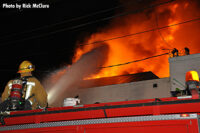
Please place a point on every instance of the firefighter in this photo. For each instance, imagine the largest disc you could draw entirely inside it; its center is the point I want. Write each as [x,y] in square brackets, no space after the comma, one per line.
[175,52]
[26,88]
[187,51]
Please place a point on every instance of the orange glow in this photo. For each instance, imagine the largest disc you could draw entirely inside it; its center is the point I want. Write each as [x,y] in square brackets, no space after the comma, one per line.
[169,38]
[173,28]
[192,76]
[186,5]
[184,115]
[147,44]
[174,7]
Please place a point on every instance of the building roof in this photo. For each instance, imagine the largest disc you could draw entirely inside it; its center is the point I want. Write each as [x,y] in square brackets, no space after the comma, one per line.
[117,79]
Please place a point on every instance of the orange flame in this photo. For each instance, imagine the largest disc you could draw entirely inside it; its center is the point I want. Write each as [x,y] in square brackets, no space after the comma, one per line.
[148,44]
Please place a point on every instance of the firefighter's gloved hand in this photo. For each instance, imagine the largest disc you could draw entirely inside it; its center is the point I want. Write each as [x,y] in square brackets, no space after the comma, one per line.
[4,106]
[27,105]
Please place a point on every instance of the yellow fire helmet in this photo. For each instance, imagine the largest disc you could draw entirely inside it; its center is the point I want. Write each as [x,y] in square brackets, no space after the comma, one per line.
[26,66]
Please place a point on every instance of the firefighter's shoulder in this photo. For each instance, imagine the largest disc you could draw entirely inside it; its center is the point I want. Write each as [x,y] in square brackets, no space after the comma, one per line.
[33,79]
[10,82]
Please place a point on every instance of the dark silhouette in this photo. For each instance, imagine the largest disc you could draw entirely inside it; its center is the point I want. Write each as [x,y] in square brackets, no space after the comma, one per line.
[175,52]
[187,51]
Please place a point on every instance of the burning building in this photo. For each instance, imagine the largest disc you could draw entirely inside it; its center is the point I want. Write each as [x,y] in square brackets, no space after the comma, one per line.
[144,85]
[159,28]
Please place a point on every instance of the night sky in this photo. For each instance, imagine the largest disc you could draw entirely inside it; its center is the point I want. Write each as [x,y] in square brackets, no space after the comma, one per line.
[46,37]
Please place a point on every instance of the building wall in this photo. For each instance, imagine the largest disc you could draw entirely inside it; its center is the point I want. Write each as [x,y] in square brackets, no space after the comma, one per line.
[178,68]
[126,91]
[144,89]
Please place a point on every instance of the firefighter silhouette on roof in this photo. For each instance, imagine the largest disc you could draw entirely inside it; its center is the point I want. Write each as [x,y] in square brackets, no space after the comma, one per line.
[175,52]
[187,51]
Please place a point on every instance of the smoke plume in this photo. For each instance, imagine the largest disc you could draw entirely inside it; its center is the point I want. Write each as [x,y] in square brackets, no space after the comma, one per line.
[69,78]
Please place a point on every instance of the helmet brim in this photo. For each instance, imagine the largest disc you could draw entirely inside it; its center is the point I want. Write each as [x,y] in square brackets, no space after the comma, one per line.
[25,70]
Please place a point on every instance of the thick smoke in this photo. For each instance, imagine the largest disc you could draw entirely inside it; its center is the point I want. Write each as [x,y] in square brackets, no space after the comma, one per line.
[65,85]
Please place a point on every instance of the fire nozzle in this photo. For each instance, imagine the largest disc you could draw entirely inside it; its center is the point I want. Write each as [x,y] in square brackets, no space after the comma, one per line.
[71,102]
